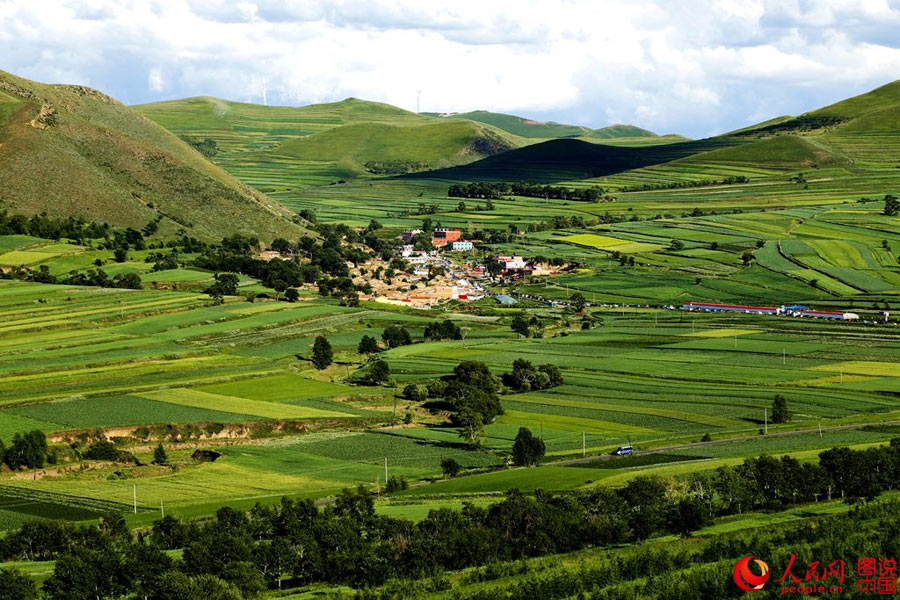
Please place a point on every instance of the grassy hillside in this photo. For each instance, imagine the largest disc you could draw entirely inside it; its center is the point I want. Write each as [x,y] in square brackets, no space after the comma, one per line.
[275,148]
[621,131]
[71,150]
[529,128]
[520,126]
[241,127]
[432,144]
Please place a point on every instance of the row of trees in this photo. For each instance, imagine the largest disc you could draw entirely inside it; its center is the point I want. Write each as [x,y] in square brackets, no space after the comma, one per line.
[239,554]
[52,228]
[687,183]
[526,377]
[91,277]
[496,190]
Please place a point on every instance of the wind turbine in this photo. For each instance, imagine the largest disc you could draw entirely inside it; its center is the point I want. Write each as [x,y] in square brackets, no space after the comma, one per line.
[418,97]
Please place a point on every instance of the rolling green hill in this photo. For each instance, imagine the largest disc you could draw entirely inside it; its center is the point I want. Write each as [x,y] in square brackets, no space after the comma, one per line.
[529,128]
[836,135]
[70,150]
[430,144]
[241,127]
[275,148]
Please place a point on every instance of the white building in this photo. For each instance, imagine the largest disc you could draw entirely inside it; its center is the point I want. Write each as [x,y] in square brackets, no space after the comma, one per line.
[461,246]
[512,262]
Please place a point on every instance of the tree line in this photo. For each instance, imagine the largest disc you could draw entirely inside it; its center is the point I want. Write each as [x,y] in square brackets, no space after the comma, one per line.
[496,190]
[52,228]
[687,183]
[240,554]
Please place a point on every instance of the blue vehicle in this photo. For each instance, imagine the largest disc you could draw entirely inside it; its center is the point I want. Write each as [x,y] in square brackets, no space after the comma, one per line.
[623,451]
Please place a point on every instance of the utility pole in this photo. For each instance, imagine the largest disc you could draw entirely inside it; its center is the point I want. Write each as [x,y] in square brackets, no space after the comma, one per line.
[766,418]
[583,445]
[134,489]
[385,470]
[783,357]
[162,510]
[820,428]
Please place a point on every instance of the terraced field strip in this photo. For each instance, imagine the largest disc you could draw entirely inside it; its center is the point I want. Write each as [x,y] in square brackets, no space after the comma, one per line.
[692,417]
[277,388]
[861,367]
[259,408]
[716,333]
[130,377]
[566,423]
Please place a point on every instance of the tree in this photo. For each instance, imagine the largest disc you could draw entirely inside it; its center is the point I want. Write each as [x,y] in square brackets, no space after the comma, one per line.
[422,242]
[577,301]
[687,516]
[175,585]
[676,245]
[322,353]
[412,392]
[379,372]
[225,285]
[396,484]
[443,330]
[527,450]
[471,426]
[245,577]
[368,345]
[16,585]
[28,450]
[450,467]
[159,455]
[494,268]
[780,411]
[88,573]
[282,245]
[747,257]
[553,374]
[291,295]
[120,254]
[520,325]
[395,336]
[891,206]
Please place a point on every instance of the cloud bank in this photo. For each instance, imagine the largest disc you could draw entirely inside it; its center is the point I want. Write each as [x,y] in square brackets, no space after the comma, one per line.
[691,67]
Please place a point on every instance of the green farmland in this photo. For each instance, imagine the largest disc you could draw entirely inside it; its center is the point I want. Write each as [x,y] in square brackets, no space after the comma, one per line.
[221,376]
[159,364]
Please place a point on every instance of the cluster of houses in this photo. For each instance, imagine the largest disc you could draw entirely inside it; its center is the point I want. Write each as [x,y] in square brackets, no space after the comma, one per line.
[443,239]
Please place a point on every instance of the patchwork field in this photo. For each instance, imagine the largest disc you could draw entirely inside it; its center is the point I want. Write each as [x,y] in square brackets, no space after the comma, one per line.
[173,362]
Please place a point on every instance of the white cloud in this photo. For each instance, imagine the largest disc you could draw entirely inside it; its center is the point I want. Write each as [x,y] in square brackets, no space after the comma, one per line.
[694,67]
[155,80]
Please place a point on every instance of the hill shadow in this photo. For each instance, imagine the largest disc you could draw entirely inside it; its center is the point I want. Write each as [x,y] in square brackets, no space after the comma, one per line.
[569,159]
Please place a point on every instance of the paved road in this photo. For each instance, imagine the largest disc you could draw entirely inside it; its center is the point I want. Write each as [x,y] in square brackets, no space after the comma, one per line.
[571,461]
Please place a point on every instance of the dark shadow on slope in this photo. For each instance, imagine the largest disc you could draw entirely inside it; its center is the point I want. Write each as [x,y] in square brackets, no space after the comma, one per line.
[568,159]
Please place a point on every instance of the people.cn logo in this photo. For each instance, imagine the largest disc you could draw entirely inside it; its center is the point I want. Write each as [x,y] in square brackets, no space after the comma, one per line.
[746,579]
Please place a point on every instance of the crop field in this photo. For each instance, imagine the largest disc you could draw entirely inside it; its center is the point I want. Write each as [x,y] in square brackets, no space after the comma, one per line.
[642,379]
[117,359]
[692,391]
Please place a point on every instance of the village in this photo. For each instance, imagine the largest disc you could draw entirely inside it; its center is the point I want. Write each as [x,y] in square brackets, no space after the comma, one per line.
[439,266]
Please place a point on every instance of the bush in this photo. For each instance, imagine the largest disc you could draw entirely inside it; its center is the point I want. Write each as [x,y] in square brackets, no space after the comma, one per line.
[450,467]
[395,484]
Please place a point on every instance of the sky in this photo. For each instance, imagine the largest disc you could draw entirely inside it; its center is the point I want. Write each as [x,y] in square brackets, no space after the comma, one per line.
[697,68]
